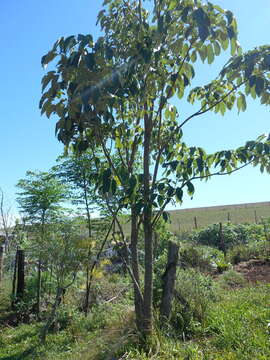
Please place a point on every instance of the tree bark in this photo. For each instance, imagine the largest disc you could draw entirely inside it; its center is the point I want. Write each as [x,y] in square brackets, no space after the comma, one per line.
[135,268]
[20,282]
[89,225]
[14,281]
[51,317]
[38,288]
[147,324]
[169,280]
[1,262]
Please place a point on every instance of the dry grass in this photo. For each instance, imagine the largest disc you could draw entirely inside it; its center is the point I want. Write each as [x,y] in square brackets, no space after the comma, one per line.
[184,220]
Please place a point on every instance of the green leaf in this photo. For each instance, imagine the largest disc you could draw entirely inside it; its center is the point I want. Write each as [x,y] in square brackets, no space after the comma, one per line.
[229,16]
[90,61]
[160,200]
[203,53]
[203,23]
[191,188]
[225,44]
[217,48]
[193,56]
[259,86]
[179,194]
[210,54]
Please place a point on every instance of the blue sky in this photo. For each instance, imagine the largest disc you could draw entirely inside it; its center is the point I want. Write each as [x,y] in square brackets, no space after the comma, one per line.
[27,31]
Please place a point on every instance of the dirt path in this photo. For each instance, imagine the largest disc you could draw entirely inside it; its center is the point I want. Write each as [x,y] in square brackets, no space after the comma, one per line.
[255,270]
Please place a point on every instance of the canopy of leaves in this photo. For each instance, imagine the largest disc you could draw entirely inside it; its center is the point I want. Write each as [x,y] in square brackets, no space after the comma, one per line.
[40,196]
[103,90]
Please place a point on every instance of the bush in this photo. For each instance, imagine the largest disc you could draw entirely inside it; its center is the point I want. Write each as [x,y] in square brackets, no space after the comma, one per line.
[253,250]
[232,235]
[195,293]
[203,258]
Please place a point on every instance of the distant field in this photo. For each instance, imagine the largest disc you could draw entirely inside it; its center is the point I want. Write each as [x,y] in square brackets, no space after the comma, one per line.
[183,220]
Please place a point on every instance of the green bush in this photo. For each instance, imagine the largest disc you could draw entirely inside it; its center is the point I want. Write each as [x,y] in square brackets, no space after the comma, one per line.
[203,258]
[253,250]
[195,293]
[232,235]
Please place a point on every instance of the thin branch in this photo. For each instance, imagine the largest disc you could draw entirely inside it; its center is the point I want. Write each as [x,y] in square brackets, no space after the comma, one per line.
[140,11]
[218,173]
[201,111]
[162,104]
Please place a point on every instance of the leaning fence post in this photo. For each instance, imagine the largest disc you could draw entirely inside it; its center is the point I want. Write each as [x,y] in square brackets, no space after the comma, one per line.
[255,215]
[221,239]
[169,280]
[195,222]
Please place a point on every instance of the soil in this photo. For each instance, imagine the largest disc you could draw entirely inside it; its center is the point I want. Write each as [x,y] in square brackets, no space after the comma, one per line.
[255,270]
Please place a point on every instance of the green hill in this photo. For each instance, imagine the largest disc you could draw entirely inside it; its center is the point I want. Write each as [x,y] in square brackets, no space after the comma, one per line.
[186,219]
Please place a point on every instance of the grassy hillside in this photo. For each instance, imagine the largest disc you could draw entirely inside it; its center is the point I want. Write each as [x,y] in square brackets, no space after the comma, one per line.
[183,220]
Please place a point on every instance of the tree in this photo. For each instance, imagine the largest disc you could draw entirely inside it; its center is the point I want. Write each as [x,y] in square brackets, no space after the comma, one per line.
[77,171]
[39,201]
[117,93]
[5,225]
[64,244]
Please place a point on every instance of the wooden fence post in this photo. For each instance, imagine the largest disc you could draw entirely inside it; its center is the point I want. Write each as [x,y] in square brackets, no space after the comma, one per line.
[1,262]
[169,280]
[20,282]
[195,223]
[255,216]
[221,239]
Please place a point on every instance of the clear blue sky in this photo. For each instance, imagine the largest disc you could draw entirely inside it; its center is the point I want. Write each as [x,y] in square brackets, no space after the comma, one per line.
[28,29]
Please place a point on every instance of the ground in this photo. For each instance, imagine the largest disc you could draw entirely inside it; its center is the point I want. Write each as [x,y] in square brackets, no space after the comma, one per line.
[255,270]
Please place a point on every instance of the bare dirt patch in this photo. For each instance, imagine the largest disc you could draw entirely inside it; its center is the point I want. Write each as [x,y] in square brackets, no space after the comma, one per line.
[255,270]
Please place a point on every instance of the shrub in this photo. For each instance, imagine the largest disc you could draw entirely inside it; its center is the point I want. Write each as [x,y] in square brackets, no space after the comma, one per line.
[253,250]
[203,258]
[232,235]
[194,294]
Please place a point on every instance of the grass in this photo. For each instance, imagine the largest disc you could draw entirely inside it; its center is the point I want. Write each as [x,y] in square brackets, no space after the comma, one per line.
[183,220]
[235,329]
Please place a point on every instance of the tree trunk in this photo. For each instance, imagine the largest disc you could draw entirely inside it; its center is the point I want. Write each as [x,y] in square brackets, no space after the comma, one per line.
[14,280]
[147,324]
[38,288]
[20,282]
[169,280]
[51,317]
[87,293]
[1,262]
[135,268]
[89,225]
